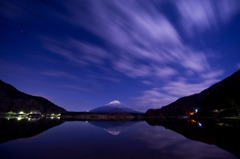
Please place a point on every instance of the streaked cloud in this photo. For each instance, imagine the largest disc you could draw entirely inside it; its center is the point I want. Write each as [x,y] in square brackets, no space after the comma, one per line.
[76,51]
[131,40]
[153,98]
[12,10]
[205,15]
[134,32]
[142,43]
[184,88]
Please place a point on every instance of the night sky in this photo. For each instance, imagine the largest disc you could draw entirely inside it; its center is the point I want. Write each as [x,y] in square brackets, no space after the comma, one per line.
[81,54]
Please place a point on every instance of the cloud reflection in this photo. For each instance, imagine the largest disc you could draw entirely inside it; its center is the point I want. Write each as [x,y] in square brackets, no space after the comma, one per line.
[166,141]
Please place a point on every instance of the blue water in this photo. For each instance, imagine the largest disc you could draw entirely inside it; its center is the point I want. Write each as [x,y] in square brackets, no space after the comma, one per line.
[86,140]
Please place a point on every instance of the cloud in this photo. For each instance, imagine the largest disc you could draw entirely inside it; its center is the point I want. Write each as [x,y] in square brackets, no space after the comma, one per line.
[173,89]
[212,75]
[153,99]
[238,65]
[76,51]
[121,23]
[227,9]
[164,72]
[134,33]
[127,66]
[140,42]
[175,145]
[12,10]
[204,15]
[134,39]
[183,88]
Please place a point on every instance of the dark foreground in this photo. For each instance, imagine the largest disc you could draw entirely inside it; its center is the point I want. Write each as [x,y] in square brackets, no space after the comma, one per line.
[152,138]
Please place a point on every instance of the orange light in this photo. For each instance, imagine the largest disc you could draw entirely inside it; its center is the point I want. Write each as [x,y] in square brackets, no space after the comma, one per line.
[191,121]
[191,113]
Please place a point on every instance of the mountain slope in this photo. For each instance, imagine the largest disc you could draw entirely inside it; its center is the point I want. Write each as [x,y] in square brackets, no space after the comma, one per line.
[113,107]
[221,99]
[13,100]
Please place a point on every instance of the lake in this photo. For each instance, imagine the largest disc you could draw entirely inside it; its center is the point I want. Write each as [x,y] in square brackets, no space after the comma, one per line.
[181,139]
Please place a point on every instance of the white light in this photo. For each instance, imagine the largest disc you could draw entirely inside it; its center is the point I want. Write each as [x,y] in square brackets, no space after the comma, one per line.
[21,112]
[199,124]
[196,110]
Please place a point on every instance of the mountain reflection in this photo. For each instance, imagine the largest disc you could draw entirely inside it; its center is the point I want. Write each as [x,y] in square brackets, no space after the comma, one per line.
[223,133]
[113,127]
[19,127]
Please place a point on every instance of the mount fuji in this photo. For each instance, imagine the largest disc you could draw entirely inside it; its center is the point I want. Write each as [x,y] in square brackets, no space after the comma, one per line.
[113,107]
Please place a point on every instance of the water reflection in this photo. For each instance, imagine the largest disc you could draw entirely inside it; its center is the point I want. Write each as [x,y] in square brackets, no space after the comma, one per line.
[114,127]
[12,128]
[224,133]
[162,138]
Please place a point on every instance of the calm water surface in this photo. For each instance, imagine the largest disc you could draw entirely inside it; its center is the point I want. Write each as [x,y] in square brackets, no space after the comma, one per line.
[105,140]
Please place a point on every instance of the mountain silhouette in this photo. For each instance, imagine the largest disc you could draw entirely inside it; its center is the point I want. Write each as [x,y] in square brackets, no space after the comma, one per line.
[13,100]
[221,99]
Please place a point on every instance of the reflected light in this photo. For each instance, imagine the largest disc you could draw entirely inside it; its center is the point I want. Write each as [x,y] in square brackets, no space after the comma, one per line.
[191,121]
[19,118]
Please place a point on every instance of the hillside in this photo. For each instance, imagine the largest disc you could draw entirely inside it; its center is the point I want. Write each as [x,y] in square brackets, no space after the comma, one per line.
[13,100]
[221,99]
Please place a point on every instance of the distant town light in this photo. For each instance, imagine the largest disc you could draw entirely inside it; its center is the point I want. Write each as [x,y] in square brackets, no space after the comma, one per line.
[21,112]
[196,110]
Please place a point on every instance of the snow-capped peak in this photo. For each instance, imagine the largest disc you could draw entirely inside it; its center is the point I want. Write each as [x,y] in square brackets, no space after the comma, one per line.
[115,102]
